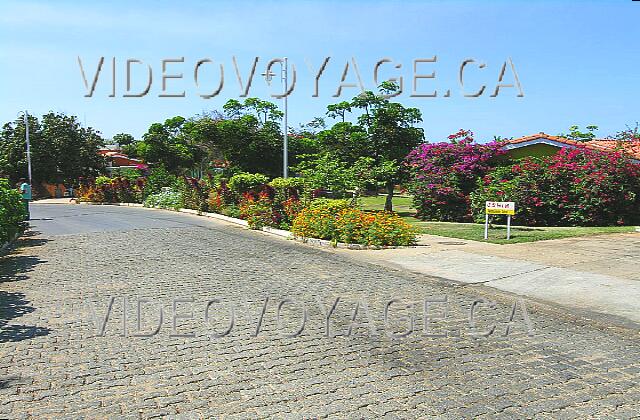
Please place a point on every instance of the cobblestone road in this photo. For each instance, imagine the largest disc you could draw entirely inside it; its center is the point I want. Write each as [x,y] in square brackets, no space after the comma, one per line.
[58,291]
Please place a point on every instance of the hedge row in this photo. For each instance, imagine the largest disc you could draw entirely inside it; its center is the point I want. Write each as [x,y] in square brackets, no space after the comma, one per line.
[12,213]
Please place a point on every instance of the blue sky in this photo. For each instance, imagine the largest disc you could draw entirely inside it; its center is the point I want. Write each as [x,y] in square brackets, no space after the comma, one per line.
[577,62]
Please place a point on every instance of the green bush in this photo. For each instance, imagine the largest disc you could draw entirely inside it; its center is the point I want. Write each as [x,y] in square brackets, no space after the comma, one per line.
[157,179]
[102,180]
[231,211]
[131,174]
[330,205]
[245,182]
[324,172]
[281,185]
[168,199]
[11,211]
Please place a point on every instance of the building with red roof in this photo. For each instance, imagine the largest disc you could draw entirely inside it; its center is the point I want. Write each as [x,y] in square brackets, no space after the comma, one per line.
[543,144]
[116,159]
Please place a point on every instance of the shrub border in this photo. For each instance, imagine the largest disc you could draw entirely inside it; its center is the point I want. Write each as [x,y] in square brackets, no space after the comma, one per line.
[273,231]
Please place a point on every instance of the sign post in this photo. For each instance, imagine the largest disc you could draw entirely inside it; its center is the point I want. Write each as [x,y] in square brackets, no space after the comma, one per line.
[499,207]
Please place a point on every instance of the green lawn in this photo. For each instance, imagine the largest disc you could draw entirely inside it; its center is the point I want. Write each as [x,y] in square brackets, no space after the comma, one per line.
[474,231]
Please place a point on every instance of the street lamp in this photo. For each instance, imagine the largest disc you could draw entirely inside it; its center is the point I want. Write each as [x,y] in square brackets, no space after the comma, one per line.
[25,114]
[268,75]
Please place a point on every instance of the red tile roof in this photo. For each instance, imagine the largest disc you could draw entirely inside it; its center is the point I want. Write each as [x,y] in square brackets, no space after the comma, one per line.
[631,148]
[118,158]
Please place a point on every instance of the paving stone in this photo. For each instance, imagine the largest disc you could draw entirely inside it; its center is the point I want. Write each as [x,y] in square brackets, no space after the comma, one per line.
[568,368]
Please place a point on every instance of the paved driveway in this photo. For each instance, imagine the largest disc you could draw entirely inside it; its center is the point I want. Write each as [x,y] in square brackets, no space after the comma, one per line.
[57,359]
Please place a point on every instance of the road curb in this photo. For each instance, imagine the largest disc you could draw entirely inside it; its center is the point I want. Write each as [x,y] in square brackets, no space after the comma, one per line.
[91,203]
[273,231]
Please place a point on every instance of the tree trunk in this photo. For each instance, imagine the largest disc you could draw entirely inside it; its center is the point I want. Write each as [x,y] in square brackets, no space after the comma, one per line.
[388,204]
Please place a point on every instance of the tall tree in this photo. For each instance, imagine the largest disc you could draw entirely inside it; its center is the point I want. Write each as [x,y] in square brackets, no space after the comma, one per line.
[123,139]
[249,137]
[75,148]
[385,131]
[170,145]
[61,149]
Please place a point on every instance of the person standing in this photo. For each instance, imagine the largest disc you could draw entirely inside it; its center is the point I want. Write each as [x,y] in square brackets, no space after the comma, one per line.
[25,190]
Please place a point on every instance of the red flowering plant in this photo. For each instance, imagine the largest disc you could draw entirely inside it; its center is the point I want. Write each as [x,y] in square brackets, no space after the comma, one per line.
[291,207]
[574,187]
[258,210]
[195,194]
[444,175]
[110,190]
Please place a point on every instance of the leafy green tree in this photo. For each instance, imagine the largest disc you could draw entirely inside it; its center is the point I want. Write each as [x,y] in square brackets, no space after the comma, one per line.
[13,154]
[123,139]
[324,171]
[75,148]
[582,136]
[247,136]
[157,179]
[385,131]
[61,149]
[168,144]
[339,110]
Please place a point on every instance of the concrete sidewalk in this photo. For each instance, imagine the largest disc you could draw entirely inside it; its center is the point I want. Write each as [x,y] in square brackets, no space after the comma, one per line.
[598,274]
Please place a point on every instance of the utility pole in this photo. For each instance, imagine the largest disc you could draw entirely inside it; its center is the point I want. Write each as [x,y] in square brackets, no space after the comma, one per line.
[285,154]
[268,75]
[26,126]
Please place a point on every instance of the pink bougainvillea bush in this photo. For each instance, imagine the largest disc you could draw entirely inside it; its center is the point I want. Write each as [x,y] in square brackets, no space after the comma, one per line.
[444,175]
[574,187]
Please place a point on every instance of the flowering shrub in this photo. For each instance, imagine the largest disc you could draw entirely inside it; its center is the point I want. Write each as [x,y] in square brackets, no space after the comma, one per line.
[319,219]
[167,199]
[195,194]
[351,225]
[573,187]
[111,190]
[444,174]
[90,193]
[215,203]
[387,228]
[338,222]
[258,210]
[221,197]
[11,211]
[291,207]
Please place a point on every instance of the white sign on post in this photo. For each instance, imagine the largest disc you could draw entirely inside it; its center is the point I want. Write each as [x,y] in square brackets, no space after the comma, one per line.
[499,207]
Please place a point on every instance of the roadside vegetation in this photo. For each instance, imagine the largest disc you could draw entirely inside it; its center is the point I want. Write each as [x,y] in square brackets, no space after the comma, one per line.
[391,184]
[11,212]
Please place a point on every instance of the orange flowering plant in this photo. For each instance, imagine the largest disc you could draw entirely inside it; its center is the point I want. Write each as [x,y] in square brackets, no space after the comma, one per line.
[335,220]
[258,210]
